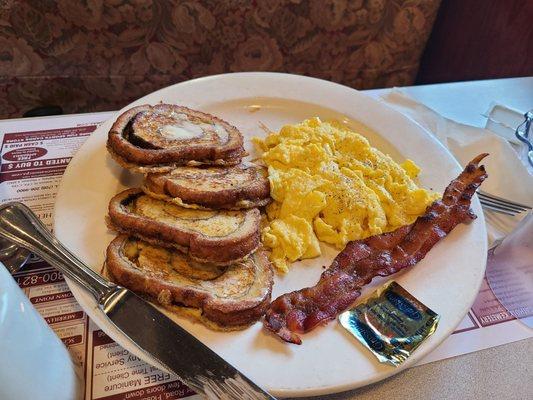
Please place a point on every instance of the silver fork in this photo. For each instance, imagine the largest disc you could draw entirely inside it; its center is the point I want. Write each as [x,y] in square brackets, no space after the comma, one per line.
[12,256]
[501,205]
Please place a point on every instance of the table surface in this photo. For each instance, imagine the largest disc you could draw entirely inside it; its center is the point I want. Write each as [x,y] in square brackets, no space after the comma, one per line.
[502,372]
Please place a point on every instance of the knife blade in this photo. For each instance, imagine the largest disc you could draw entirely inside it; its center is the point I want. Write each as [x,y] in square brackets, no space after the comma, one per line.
[192,361]
[153,332]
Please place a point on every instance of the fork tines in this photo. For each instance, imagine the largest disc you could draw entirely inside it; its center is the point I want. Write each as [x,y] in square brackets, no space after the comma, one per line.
[500,204]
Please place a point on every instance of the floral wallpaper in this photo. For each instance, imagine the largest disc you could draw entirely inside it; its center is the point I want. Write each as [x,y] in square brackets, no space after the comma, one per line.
[94,55]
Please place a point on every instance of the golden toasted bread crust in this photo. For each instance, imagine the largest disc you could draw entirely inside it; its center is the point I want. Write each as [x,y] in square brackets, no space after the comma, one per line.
[218,305]
[219,250]
[178,151]
[238,187]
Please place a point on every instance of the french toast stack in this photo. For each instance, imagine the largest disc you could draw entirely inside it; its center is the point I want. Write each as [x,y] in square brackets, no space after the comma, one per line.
[189,237]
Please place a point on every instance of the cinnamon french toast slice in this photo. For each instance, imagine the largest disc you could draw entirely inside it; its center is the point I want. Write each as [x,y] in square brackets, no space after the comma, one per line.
[224,298]
[158,138]
[233,188]
[220,237]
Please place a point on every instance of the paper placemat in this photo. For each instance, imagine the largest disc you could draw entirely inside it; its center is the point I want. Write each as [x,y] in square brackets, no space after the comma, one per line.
[33,161]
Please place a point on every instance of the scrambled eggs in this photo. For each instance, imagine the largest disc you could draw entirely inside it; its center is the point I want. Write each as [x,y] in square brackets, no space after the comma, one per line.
[328,184]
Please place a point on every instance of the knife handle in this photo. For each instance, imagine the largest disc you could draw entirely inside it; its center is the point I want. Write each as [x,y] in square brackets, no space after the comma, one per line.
[21,226]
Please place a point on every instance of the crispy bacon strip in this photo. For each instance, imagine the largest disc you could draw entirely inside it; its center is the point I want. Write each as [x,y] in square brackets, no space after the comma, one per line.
[381,255]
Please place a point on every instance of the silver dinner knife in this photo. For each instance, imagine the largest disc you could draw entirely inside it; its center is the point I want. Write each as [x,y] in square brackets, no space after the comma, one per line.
[193,362]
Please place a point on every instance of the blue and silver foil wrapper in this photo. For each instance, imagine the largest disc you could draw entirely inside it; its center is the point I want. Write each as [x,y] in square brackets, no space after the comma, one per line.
[392,323]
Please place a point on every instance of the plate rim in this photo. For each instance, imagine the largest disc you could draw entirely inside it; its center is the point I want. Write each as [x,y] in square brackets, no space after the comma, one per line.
[317,390]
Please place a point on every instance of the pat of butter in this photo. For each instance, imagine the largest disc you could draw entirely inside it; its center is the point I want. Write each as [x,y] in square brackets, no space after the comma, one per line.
[221,133]
[392,323]
[183,132]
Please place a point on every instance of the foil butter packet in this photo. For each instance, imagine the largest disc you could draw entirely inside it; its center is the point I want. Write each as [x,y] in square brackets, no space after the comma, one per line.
[391,323]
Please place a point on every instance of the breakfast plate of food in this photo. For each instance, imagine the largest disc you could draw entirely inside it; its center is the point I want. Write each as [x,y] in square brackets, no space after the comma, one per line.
[254,208]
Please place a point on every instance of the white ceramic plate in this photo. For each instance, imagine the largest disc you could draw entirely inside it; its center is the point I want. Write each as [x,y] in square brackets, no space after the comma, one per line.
[329,360]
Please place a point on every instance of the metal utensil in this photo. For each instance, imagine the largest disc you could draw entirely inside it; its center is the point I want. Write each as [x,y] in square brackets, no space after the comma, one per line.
[13,256]
[501,205]
[153,332]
